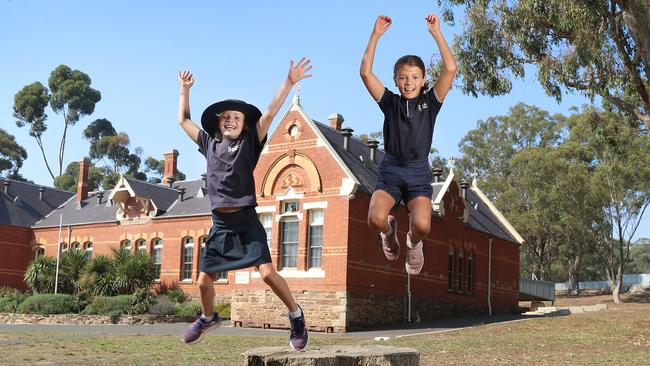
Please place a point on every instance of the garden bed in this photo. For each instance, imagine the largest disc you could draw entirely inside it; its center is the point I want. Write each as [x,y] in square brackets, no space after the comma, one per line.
[12,318]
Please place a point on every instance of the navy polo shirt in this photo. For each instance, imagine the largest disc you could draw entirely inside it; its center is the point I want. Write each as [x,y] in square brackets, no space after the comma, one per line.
[230,168]
[408,124]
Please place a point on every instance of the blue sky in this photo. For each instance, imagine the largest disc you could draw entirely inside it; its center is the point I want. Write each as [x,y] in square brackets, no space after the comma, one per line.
[133,50]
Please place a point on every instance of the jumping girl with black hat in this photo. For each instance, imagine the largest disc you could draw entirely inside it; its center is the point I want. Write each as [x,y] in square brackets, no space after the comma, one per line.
[232,138]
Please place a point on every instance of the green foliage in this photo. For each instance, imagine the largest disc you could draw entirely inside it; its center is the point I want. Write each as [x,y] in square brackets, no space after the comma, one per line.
[12,154]
[176,295]
[72,263]
[29,108]
[593,47]
[40,274]
[71,93]
[223,309]
[49,304]
[640,259]
[162,306]
[155,169]
[10,299]
[142,300]
[107,305]
[123,274]
[188,310]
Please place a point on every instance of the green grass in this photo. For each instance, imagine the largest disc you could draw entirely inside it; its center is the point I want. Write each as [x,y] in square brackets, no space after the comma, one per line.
[619,335]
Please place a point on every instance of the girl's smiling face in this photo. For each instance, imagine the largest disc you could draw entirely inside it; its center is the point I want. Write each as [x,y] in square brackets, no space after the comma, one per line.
[231,124]
[409,80]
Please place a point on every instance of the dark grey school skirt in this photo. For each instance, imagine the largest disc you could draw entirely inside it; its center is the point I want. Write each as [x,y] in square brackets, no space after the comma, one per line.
[236,240]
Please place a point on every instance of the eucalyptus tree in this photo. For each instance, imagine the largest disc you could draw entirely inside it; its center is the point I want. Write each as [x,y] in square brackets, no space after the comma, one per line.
[597,48]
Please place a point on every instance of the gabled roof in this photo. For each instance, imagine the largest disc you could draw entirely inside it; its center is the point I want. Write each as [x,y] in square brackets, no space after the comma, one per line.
[483,216]
[165,199]
[195,201]
[21,205]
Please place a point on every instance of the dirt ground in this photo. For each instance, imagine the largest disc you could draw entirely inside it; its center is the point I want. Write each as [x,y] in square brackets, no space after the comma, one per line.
[588,297]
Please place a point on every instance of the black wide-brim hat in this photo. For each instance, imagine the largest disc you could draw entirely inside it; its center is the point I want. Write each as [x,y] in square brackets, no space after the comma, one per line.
[209,120]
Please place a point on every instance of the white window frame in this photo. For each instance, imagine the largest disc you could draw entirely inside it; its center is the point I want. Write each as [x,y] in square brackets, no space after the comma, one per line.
[188,243]
[157,244]
[314,222]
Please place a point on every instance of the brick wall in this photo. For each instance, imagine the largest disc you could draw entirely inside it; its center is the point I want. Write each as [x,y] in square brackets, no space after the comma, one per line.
[17,251]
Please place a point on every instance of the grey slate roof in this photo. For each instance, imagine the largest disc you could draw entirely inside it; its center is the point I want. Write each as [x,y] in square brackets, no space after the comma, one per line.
[90,211]
[357,158]
[165,198]
[21,205]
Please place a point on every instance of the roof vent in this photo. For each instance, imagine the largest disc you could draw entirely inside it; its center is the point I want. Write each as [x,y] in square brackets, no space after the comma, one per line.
[100,195]
[346,132]
[41,193]
[181,193]
[373,149]
[437,174]
[170,181]
[6,184]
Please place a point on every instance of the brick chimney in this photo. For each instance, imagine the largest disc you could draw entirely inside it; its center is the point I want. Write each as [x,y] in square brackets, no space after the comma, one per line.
[171,158]
[82,185]
[336,121]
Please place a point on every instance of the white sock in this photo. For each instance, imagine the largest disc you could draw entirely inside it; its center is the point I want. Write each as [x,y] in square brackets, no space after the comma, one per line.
[206,319]
[296,314]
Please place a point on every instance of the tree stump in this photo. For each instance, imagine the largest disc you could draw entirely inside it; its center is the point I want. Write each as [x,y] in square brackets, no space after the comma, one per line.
[373,355]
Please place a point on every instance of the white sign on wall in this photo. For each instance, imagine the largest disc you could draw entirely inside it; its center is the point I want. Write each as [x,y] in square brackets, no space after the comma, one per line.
[242,277]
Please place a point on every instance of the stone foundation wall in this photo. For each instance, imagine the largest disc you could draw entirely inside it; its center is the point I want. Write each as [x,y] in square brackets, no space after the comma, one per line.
[323,310]
[368,311]
[10,318]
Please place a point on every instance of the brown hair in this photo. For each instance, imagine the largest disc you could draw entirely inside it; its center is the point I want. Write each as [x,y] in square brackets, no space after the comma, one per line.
[412,60]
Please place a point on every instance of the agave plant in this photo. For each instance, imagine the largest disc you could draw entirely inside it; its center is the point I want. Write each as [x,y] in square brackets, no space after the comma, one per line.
[40,274]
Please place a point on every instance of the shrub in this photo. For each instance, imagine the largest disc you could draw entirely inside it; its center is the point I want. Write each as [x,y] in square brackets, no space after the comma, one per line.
[163,306]
[10,299]
[49,304]
[223,309]
[108,305]
[176,295]
[189,310]
[40,274]
[142,300]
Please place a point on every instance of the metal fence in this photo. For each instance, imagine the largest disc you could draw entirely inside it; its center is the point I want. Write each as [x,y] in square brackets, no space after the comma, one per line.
[628,279]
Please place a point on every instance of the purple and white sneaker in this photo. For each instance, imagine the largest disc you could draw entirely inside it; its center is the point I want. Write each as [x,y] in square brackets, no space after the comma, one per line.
[195,332]
[298,336]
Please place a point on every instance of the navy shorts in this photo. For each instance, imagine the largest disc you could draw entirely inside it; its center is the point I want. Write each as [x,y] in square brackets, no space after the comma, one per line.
[236,240]
[404,179]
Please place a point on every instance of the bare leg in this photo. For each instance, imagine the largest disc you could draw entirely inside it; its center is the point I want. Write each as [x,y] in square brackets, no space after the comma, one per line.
[420,209]
[206,288]
[380,206]
[278,284]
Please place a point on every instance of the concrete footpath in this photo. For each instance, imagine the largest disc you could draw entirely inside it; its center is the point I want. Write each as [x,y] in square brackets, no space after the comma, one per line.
[397,331]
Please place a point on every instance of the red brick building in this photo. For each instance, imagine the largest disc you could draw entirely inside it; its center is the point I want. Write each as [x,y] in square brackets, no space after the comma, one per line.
[314,183]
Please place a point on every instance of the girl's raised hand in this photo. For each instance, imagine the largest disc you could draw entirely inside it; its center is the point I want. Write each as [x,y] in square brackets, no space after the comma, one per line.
[433,23]
[298,71]
[186,78]
[382,24]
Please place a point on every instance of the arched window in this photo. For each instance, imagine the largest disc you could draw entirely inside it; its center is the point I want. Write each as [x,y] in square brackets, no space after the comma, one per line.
[40,252]
[188,257]
[64,247]
[88,247]
[157,257]
[126,244]
[75,245]
[141,245]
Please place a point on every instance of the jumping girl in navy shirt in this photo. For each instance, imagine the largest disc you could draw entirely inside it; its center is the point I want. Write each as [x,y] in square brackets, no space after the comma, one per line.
[409,118]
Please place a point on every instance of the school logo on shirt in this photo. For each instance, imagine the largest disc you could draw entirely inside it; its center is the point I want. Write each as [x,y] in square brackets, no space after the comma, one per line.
[234,148]
[422,106]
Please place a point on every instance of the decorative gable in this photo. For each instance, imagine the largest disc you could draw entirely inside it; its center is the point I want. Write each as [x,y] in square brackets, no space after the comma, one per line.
[133,209]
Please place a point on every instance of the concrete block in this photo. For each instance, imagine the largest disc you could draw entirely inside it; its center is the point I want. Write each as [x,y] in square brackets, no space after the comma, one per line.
[371,355]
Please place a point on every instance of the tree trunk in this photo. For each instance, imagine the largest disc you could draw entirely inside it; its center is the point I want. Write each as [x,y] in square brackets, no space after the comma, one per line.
[636,14]
[574,285]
